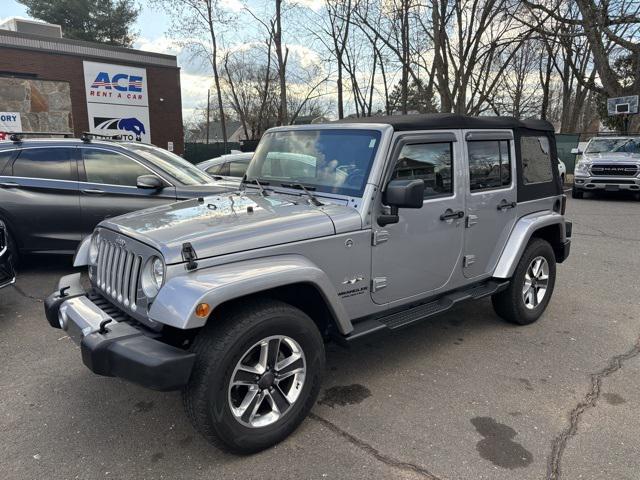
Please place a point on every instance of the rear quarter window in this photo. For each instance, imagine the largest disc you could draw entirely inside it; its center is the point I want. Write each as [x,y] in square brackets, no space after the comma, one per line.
[5,159]
[536,160]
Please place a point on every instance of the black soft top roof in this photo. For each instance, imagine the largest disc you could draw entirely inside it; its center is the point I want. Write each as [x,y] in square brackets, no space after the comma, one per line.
[451,120]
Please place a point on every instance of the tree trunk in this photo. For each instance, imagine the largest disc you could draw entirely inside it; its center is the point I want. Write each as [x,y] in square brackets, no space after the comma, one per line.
[282,61]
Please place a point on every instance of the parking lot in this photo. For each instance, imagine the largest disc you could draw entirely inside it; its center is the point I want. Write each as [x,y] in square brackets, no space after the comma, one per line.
[465,395]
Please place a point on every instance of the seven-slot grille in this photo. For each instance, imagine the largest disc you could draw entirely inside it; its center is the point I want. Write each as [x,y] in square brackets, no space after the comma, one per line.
[117,273]
[614,170]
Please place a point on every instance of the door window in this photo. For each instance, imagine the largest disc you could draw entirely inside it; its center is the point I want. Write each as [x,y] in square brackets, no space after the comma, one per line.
[47,163]
[237,169]
[220,169]
[536,160]
[489,164]
[430,162]
[111,168]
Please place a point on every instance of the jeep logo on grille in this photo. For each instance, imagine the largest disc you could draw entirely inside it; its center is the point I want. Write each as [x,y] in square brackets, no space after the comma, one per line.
[120,242]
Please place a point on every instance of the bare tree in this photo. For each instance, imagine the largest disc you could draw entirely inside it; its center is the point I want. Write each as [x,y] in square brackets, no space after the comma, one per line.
[199,23]
[609,29]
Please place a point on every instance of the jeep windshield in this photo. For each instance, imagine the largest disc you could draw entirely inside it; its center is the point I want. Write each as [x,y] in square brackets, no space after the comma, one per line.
[171,164]
[327,160]
[614,145]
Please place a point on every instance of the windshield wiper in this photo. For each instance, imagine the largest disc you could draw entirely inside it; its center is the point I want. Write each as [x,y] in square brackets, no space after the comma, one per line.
[306,190]
[263,192]
[254,181]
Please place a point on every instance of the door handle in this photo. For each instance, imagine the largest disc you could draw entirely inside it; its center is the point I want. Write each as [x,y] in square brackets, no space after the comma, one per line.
[93,191]
[504,205]
[451,215]
[9,185]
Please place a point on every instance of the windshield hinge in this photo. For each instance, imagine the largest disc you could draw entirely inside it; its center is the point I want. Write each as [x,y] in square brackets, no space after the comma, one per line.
[189,255]
[379,236]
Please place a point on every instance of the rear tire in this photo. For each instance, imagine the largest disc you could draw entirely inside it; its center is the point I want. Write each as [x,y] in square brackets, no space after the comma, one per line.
[575,193]
[531,286]
[229,361]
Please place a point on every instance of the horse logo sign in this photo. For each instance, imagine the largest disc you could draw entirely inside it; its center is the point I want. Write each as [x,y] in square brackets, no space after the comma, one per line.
[126,126]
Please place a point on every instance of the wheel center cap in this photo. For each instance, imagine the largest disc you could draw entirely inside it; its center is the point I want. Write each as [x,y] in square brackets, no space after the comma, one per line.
[266,381]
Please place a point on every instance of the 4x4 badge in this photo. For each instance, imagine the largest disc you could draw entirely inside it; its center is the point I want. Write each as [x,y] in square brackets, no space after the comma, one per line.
[351,281]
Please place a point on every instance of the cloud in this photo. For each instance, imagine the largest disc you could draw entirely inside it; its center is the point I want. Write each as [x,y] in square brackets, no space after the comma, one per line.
[232,5]
[314,5]
[194,90]
[164,45]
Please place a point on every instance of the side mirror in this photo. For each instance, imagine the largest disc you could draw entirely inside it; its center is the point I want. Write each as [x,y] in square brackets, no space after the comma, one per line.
[401,194]
[149,182]
[576,151]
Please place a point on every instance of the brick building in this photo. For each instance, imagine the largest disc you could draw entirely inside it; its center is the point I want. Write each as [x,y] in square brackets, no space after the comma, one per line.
[50,83]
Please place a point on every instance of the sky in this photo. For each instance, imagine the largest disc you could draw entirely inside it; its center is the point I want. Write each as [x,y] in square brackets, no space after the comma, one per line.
[152,29]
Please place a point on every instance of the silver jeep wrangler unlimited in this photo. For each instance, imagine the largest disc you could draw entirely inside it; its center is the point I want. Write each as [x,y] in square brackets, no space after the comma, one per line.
[337,231]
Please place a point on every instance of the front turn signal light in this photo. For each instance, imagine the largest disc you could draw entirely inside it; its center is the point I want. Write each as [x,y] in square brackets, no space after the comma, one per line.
[203,310]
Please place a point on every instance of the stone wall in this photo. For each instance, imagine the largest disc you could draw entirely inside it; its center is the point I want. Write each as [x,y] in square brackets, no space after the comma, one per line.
[44,105]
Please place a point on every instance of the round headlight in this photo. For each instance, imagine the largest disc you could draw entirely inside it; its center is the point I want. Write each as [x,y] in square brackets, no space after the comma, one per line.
[94,247]
[152,277]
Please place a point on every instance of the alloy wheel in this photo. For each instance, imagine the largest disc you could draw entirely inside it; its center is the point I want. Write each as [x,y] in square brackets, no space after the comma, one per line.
[267,381]
[536,282]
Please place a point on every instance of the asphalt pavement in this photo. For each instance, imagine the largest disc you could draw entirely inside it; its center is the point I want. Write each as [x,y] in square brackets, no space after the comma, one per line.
[461,396]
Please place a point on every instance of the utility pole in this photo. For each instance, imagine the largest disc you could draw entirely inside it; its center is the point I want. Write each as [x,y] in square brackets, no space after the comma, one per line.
[208,113]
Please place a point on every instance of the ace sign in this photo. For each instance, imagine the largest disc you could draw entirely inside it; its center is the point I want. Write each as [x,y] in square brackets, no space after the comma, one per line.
[117,100]
[115,84]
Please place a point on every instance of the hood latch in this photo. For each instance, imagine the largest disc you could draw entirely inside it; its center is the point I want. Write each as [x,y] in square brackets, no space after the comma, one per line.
[189,255]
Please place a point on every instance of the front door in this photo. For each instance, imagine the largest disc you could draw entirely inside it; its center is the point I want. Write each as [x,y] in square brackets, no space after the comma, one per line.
[108,187]
[419,254]
[491,199]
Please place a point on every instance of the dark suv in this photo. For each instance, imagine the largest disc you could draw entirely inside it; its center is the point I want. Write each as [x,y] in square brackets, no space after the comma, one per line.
[53,192]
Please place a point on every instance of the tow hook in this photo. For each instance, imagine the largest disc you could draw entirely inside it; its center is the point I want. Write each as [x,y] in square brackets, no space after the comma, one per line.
[103,326]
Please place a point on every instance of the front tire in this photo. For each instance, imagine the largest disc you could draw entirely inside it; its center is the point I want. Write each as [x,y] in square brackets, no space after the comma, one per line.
[257,375]
[575,193]
[12,246]
[531,286]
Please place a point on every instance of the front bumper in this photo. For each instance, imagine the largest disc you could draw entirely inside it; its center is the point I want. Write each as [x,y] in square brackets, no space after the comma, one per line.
[116,349]
[613,184]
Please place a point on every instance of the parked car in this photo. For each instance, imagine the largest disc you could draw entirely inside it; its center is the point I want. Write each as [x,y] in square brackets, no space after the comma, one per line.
[232,299]
[608,164]
[227,167]
[562,170]
[53,192]
[7,276]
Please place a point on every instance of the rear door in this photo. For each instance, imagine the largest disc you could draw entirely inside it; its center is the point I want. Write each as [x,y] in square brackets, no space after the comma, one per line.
[108,186]
[490,199]
[40,193]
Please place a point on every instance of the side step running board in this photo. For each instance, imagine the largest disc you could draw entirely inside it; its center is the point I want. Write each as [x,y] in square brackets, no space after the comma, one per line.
[417,313]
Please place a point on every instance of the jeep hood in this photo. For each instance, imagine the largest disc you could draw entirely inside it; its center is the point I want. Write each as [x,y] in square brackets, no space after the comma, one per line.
[229,223]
